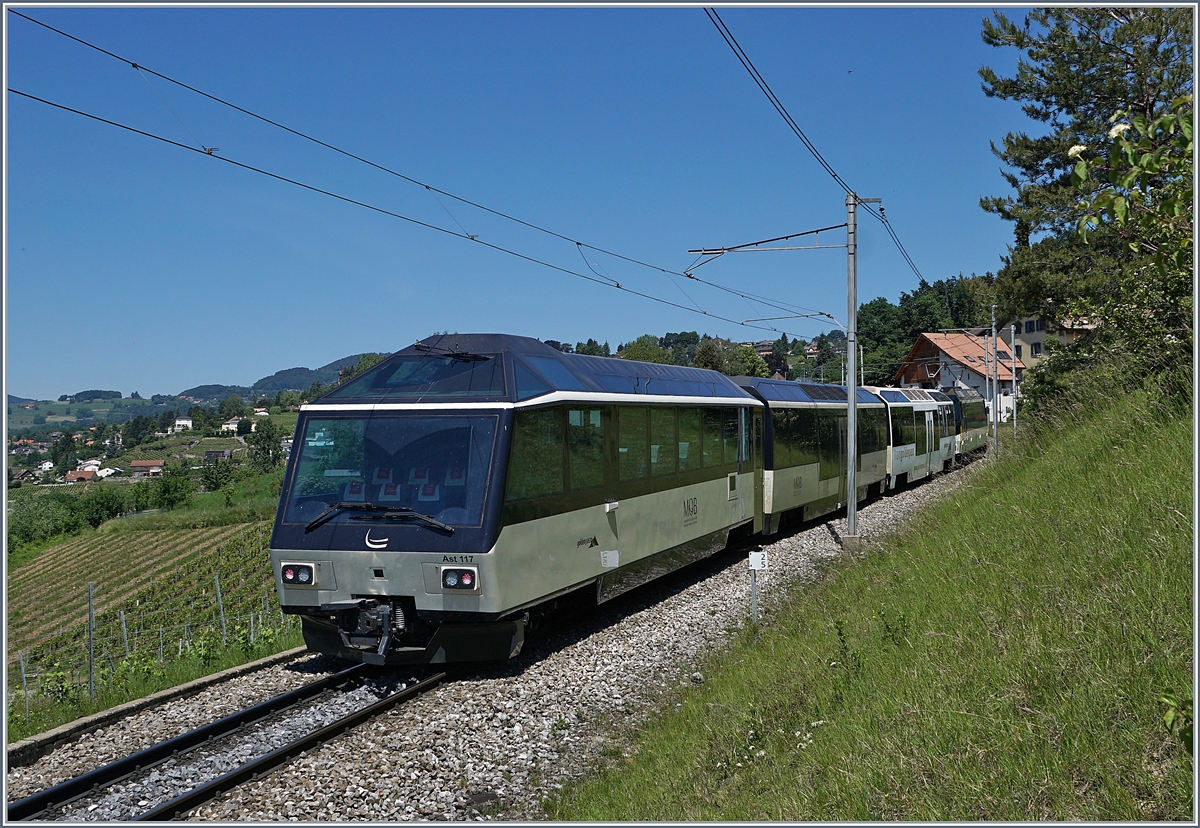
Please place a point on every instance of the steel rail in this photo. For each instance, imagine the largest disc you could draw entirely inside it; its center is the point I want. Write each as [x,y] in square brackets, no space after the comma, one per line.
[34,806]
[180,805]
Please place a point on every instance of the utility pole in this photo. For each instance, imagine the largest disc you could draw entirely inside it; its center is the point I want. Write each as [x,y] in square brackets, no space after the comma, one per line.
[1012,342]
[851,541]
[995,386]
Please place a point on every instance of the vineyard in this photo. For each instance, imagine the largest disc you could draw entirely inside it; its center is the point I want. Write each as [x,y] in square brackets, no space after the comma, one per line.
[155,596]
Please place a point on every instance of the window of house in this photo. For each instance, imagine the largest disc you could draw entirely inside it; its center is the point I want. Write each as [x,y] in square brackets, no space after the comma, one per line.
[1041,325]
[1030,326]
[1017,348]
[1035,349]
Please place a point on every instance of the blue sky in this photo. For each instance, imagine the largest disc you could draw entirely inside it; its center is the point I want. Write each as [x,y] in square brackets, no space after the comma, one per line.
[133,265]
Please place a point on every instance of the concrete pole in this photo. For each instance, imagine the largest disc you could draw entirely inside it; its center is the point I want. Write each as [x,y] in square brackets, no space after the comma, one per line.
[995,386]
[1012,337]
[852,542]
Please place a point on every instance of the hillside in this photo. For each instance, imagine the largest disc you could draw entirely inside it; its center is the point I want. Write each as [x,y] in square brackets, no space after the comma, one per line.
[1001,659]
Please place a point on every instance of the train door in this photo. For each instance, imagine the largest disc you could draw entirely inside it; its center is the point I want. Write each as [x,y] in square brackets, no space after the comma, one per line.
[756,464]
[933,441]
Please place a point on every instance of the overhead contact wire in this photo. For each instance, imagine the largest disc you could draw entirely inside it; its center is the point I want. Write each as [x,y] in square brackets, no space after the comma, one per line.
[380,167]
[762,84]
[381,210]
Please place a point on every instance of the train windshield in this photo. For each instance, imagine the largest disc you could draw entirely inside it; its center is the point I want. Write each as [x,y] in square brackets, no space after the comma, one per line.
[434,465]
[421,376]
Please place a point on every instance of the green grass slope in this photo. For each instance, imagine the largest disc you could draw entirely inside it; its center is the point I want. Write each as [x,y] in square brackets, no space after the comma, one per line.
[1001,660]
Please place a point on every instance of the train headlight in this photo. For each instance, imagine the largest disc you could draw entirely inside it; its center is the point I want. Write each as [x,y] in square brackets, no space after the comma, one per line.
[298,574]
[460,578]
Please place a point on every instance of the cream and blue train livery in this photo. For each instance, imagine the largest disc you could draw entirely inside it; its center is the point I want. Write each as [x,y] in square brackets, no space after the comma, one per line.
[432,502]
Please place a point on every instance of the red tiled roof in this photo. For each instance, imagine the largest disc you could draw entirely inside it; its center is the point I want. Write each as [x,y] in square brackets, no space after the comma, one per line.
[145,464]
[968,351]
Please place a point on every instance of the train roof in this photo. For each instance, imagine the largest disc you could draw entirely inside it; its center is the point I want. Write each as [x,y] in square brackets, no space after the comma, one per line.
[508,368]
[783,391]
[900,395]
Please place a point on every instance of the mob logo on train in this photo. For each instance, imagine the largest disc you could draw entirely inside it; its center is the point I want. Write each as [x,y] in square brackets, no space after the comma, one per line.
[691,511]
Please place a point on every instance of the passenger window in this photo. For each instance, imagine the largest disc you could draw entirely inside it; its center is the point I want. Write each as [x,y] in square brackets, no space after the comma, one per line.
[633,443]
[830,447]
[535,468]
[714,453]
[729,434]
[689,439]
[585,447]
[662,441]
[804,437]
[782,422]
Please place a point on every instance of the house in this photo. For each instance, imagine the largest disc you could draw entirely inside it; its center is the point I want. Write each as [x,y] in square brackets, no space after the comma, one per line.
[182,424]
[76,476]
[24,476]
[215,455]
[1031,333]
[762,347]
[232,425]
[103,473]
[948,360]
[261,412]
[146,468]
[810,350]
[89,465]
[46,466]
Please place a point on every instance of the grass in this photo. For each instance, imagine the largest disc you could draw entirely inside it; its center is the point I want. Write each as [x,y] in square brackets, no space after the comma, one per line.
[1000,660]
[138,679]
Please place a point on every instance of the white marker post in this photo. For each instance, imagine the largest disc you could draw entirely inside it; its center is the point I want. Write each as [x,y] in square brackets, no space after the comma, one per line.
[758,560]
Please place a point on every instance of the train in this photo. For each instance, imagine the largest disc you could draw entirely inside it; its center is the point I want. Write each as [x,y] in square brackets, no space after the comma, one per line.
[436,501]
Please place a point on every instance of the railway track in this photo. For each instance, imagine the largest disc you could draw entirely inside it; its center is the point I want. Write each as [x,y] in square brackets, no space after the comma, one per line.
[73,794]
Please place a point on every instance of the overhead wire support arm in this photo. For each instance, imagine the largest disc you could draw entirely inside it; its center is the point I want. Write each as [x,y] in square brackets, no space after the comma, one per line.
[754,246]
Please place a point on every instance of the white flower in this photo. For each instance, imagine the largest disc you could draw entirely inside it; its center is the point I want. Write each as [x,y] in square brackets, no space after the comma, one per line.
[1117,130]
[1076,151]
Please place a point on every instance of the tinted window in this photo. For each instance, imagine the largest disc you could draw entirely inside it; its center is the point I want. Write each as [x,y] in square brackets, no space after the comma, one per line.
[712,449]
[689,439]
[663,443]
[436,465]
[528,385]
[428,375]
[633,442]
[535,467]
[558,374]
[829,443]
[585,447]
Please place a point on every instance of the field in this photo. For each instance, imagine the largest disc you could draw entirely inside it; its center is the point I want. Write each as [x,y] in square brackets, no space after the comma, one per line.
[1001,660]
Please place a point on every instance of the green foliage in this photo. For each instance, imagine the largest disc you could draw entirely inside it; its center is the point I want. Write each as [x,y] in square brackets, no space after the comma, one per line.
[232,406]
[592,348]
[266,452]
[363,362]
[173,489]
[102,502]
[1179,720]
[708,355]
[747,363]
[646,348]
[213,476]
[1078,66]
[41,517]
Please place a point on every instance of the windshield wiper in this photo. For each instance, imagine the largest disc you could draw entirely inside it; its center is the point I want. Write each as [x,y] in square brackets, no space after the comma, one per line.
[402,512]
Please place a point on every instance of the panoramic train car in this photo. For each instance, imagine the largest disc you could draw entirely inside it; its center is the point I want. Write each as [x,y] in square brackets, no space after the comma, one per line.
[970,420]
[431,501]
[804,457]
[921,428]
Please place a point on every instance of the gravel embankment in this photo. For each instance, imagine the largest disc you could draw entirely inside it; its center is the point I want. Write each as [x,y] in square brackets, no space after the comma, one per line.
[494,744]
